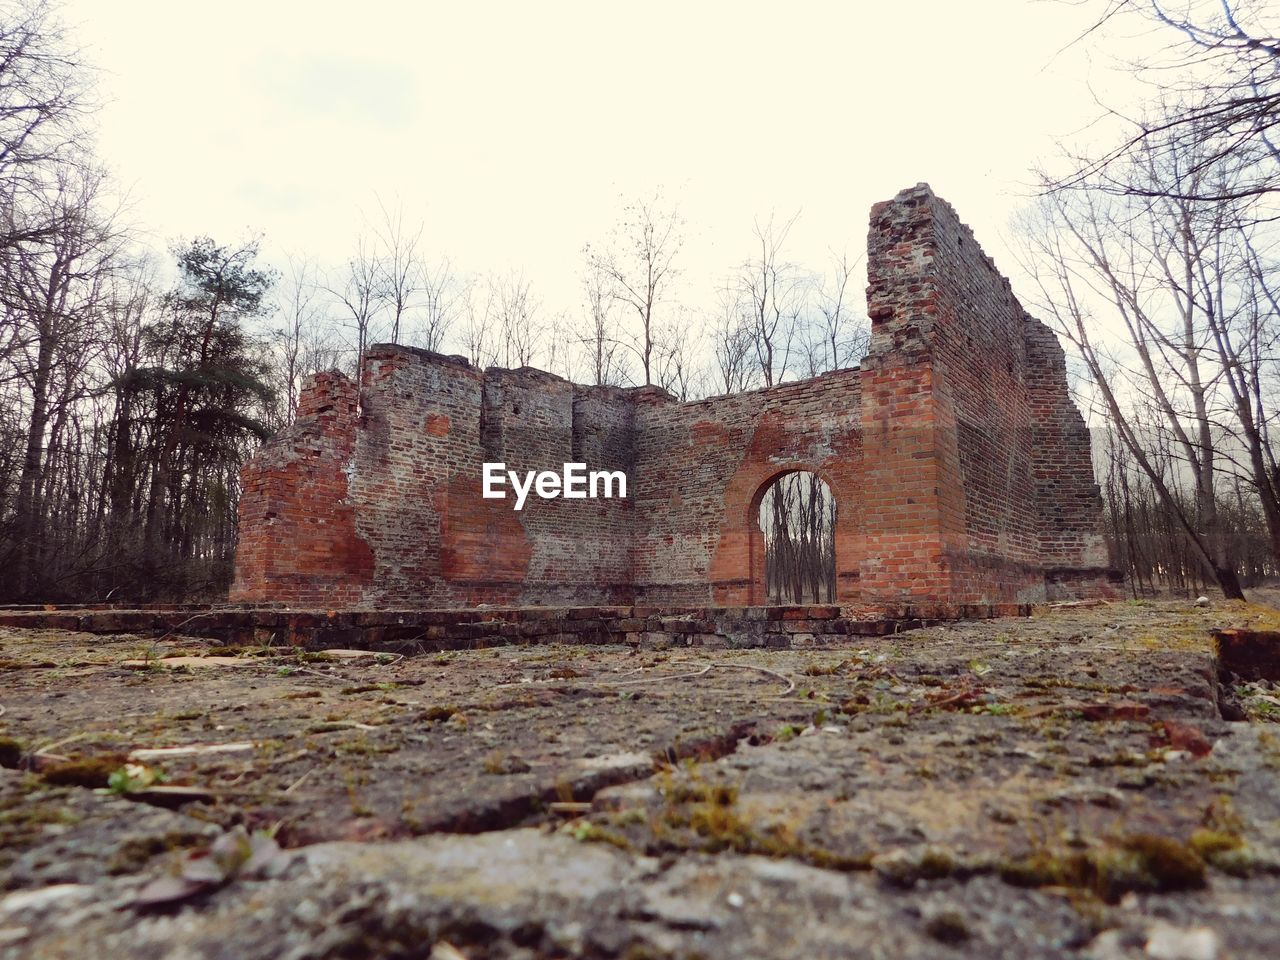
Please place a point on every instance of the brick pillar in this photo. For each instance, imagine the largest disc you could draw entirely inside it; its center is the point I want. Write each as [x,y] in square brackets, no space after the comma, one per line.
[907,493]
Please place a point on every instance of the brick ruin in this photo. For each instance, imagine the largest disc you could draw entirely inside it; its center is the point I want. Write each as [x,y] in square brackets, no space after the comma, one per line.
[960,467]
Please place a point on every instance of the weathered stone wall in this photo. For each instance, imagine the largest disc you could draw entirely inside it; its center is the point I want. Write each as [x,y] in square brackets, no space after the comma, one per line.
[959,465]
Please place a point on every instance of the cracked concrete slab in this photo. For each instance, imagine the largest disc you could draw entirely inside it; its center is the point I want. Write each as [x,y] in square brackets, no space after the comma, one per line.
[1058,786]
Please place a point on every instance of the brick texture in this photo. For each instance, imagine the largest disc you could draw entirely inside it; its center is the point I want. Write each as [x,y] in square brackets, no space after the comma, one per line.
[960,466]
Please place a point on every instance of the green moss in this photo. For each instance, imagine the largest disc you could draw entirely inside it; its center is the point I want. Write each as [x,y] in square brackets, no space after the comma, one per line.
[719,795]
[328,726]
[787,732]
[1207,843]
[1140,862]
[1044,868]
[709,812]
[1170,864]
[906,867]
[38,814]
[1223,850]
[824,669]
[936,863]
[594,833]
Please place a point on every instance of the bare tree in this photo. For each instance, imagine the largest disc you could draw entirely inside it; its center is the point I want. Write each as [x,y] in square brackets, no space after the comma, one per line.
[43,89]
[303,342]
[513,314]
[843,334]
[676,357]
[732,340]
[599,335]
[1219,92]
[797,517]
[639,264]
[772,295]
[562,348]
[440,304]
[1159,263]
[397,260]
[51,292]
[477,334]
[363,294]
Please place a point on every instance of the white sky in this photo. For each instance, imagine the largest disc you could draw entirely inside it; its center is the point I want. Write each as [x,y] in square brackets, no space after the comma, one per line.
[512,129]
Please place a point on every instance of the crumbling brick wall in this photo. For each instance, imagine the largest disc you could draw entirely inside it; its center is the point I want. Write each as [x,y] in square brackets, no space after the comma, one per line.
[298,540]
[959,466]
[702,468]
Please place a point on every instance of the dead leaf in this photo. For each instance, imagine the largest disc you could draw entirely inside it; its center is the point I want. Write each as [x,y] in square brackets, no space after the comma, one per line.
[171,889]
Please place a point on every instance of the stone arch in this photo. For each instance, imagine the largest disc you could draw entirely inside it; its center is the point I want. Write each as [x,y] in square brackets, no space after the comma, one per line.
[760,540]
[737,570]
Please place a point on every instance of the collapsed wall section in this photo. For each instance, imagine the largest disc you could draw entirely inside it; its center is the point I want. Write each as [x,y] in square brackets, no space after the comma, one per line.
[405,476]
[298,542]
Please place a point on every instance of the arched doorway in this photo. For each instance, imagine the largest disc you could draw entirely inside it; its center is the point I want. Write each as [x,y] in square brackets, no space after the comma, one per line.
[796,517]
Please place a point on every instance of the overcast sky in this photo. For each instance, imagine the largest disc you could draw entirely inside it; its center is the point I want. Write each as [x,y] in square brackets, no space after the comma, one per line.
[513,129]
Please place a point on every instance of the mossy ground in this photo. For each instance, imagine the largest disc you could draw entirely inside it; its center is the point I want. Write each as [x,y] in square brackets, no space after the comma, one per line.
[1033,754]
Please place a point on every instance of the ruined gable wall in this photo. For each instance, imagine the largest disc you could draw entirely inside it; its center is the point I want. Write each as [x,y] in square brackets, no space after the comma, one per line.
[980,356]
[956,396]
[700,469]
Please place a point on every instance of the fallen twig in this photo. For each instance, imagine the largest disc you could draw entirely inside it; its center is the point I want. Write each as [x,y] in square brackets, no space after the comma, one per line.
[159,753]
[569,807]
[664,676]
[297,783]
[791,684]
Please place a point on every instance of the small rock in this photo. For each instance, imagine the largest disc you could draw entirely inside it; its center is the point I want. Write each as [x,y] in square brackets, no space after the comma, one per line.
[1202,601]
[1183,736]
[735,900]
[1167,942]
[444,950]
[948,926]
[43,897]
[1108,945]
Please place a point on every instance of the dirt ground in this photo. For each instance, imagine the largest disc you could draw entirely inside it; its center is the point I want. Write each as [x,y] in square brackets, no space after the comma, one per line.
[1064,785]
